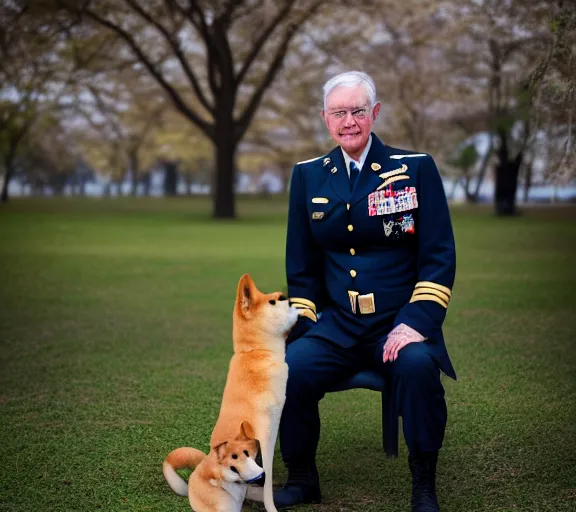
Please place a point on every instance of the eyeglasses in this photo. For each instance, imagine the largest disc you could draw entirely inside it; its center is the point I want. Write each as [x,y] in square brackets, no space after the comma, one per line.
[357,113]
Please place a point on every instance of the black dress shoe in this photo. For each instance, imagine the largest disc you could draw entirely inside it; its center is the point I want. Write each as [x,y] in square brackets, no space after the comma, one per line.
[302,486]
[423,469]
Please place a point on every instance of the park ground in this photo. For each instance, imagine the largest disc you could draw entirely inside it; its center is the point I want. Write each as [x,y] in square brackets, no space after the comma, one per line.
[115,324]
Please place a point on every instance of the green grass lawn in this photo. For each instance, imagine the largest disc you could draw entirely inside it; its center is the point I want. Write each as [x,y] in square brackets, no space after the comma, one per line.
[115,336]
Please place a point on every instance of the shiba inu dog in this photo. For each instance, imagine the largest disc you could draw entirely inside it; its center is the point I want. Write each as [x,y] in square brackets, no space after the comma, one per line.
[255,389]
[219,482]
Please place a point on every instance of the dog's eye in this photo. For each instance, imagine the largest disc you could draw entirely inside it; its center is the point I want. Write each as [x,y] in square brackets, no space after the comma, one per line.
[282,297]
[246,453]
[234,469]
[272,301]
[234,456]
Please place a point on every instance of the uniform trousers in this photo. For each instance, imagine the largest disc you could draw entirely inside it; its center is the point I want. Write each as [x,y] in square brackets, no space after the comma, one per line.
[316,365]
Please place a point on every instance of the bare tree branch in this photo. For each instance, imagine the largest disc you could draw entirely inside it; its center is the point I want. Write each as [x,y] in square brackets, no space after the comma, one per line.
[259,43]
[177,49]
[226,16]
[276,64]
[196,16]
[179,102]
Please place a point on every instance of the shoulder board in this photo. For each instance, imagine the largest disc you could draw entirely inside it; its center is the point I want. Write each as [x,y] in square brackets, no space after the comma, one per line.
[311,160]
[398,157]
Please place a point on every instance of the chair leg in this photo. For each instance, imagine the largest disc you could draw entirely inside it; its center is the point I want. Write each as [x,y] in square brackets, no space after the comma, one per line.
[389,423]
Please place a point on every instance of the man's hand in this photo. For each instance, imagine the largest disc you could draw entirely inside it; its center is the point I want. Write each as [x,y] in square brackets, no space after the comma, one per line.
[302,326]
[398,338]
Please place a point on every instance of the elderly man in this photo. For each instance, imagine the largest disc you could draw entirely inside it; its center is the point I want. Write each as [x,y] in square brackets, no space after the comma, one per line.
[370,263]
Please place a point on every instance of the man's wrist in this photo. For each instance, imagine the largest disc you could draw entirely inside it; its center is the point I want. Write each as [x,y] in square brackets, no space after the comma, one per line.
[405,331]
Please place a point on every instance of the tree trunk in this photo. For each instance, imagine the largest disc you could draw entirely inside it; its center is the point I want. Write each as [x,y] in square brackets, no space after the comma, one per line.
[135,172]
[470,197]
[146,179]
[8,174]
[57,189]
[506,185]
[225,179]
[170,178]
[506,176]
[187,176]
[4,197]
[224,185]
[455,183]
[528,180]
[483,169]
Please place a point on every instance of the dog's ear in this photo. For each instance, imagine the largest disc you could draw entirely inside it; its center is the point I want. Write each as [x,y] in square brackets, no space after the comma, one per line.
[221,450]
[245,296]
[246,431]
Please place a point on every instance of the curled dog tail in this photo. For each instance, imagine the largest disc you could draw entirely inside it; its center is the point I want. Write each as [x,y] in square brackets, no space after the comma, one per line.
[181,458]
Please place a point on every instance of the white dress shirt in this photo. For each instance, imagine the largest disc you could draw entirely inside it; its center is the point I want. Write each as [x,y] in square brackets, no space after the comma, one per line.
[359,163]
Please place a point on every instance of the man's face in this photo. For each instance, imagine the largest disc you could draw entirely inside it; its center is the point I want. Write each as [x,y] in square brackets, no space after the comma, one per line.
[349,118]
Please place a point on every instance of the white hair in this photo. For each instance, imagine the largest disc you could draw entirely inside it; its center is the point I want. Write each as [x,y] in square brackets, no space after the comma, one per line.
[351,79]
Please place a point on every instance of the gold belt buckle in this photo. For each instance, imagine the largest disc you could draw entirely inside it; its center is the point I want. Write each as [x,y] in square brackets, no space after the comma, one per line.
[366,303]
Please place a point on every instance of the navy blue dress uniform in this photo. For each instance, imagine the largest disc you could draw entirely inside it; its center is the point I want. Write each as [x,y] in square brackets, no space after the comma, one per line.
[359,263]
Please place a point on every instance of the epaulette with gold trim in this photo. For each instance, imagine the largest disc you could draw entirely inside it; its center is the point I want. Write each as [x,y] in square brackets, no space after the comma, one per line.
[414,155]
[311,160]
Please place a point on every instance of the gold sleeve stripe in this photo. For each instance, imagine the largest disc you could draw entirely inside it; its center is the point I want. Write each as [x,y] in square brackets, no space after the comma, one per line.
[301,312]
[302,306]
[433,298]
[442,295]
[308,313]
[430,284]
[304,302]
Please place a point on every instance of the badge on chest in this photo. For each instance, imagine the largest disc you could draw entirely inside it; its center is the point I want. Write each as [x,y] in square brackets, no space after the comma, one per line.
[389,201]
[396,227]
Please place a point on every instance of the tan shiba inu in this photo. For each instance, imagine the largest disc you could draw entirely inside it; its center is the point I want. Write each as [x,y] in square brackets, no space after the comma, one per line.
[220,480]
[255,389]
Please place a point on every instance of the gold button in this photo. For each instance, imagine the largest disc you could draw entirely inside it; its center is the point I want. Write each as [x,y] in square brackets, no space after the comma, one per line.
[352,252]
[348,206]
[350,227]
[353,273]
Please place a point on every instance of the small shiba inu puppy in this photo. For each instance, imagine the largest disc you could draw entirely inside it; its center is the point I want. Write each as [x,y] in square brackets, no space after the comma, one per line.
[255,389]
[219,482]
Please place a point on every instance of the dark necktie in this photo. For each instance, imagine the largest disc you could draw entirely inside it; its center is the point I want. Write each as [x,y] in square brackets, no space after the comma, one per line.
[354,172]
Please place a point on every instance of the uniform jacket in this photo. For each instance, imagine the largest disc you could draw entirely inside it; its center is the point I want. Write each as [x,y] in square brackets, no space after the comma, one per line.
[388,243]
